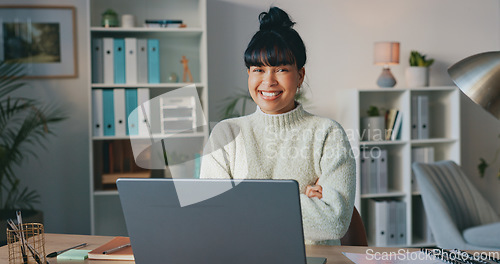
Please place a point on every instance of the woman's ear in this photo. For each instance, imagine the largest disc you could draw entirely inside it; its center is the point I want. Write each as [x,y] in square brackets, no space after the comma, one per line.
[302,73]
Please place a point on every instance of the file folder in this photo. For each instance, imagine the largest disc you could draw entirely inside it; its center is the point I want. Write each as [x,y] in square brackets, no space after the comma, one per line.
[392,226]
[97,61]
[97,114]
[119,107]
[143,99]
[108,112]
[414,117]
[374,170]
[132,116]
[382,172]
[378,213]
[423,115]
[142,60]
[401,223]
[119,60]
[153,61]
[365,171]
[131,60]
[108,63]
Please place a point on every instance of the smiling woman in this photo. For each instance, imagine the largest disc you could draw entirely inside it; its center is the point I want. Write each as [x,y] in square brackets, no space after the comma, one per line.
[283,141]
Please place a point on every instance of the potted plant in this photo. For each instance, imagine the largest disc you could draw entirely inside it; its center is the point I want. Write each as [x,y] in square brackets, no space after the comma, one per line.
[417,75]
[373,125]
[24,124]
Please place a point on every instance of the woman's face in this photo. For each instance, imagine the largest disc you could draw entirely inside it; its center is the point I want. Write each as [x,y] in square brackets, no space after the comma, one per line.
[273,88]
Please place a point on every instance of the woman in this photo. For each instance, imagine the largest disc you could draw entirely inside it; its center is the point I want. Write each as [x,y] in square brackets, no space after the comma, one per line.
[281,140]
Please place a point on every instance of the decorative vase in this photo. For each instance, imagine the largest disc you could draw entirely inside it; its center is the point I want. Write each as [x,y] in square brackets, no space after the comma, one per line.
[109,19]
[373,128]
[417,76]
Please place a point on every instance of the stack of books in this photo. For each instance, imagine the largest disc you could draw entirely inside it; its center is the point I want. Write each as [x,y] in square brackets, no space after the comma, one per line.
[393,121]
[163,23]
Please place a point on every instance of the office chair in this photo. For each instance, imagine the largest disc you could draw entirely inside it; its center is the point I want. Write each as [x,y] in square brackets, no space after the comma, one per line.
[458,215]
[356,234]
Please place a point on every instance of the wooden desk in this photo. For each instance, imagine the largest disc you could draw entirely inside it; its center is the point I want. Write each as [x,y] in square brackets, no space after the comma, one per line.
[55,242]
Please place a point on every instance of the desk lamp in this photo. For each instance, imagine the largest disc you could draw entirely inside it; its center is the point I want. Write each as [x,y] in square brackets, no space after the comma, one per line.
[386,53]
[478,76]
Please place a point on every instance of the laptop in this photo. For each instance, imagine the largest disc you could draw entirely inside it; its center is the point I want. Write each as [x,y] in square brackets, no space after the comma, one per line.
[180,221]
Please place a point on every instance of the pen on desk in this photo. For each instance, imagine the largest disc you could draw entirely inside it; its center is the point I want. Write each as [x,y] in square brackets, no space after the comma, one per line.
[115,249]
[54,254]
[23,242]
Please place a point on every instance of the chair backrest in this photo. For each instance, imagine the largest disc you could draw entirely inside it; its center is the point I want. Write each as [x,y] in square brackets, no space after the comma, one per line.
[356,234]
[452,191]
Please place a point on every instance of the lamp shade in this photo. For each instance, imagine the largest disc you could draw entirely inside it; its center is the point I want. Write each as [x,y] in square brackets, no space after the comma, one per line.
[478,76]
[386,53]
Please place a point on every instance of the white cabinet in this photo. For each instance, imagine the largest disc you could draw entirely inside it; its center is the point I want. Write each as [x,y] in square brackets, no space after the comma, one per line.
[111,155]
[444,138]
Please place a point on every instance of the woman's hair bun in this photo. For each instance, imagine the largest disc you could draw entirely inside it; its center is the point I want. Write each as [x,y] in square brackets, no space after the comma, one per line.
[275,19]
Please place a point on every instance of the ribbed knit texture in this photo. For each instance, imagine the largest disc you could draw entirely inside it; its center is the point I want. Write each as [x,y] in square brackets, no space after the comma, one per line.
[295,145]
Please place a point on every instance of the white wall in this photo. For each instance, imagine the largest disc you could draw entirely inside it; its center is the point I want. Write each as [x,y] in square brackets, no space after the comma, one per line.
[339,37]
[61,174]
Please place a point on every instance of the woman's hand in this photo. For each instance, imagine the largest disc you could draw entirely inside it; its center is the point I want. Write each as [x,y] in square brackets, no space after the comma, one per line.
[314,191]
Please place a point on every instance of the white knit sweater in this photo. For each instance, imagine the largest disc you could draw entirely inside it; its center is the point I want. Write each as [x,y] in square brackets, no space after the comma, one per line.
[295,145]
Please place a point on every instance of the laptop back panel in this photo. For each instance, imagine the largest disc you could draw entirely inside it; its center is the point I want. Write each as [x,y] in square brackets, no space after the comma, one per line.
[257,221]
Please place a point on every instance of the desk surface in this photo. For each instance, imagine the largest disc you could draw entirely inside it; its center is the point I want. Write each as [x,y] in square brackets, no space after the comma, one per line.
[55,242]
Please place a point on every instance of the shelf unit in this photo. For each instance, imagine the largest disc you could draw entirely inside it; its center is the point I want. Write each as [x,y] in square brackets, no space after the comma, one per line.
[444,135]
[105,210]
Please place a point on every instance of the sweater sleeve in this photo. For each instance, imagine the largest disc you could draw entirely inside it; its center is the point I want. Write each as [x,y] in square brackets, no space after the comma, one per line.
[218,154]
[329,218]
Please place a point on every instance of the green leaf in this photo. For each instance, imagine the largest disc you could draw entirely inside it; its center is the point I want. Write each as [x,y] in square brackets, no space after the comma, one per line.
[482,167]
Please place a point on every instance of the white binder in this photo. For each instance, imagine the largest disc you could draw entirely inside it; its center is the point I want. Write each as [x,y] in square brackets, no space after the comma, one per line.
[119,107]
[365,171]
[97,61]
[108,62]
[414,117]
[143,99]
[377,227]
[374,161]
[97,114]
[423,116]
[401,223]
[392,227]
[382,172]
[131,60]
[142,60]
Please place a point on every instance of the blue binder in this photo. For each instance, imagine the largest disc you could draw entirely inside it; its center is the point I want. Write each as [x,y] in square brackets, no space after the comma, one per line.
[108,112]
[119,60]
[153,61]
[132,116]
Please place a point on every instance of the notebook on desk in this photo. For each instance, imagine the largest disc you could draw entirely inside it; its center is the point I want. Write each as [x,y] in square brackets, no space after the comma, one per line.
[252,221]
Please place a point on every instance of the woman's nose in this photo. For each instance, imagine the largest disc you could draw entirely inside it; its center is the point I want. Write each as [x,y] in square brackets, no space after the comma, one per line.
[270,80]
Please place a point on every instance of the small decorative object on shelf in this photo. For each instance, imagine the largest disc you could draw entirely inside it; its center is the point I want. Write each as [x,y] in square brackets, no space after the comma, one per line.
[385,54]
[128,21]
[173,78]
[187,71]
[373,125]
[417,75]
[109,18]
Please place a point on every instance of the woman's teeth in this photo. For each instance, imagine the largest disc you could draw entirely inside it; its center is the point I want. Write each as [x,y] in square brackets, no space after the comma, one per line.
[270,94]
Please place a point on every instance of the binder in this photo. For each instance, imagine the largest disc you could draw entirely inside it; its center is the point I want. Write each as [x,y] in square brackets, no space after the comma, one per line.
[401,223]
[132,116]
[143,119]
[108,63]
[364,171]
[108,112]
[119,107]
[131,60]
[374,170]
[97,114]
[414,117]
[423,116]
[391,223]
[382,178]
[142,60]
[153,61]
[378,212]
[97,61]
[420,154]
[119,60]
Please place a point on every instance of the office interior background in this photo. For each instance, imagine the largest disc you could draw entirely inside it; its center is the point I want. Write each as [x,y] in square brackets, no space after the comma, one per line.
[339,36]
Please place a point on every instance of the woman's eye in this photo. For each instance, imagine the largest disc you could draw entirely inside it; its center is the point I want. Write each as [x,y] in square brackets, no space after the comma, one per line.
[282,70]
[257,70]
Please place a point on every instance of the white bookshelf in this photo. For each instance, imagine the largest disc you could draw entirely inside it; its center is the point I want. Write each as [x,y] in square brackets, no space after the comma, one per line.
[105,209]
[444,135]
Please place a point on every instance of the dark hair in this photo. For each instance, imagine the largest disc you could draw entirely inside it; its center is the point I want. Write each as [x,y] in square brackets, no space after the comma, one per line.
[276,43]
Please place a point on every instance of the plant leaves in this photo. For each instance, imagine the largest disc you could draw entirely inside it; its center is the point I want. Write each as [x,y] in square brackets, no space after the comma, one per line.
[482,167]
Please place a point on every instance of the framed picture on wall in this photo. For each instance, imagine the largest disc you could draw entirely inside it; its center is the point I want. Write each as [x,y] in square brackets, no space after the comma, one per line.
[42,38]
